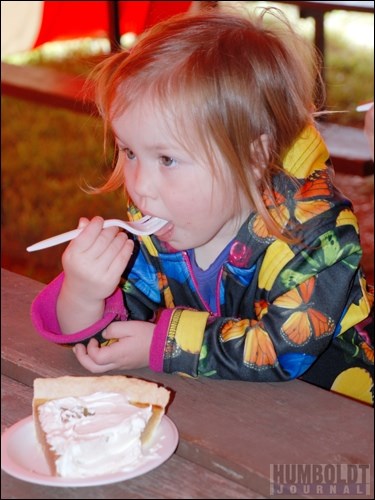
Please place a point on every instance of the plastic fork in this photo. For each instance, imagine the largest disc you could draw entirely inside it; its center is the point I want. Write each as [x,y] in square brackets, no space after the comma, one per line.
[145,226]
[364,107]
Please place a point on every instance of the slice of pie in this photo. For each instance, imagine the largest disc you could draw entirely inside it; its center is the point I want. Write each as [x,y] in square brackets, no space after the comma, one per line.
[89,426]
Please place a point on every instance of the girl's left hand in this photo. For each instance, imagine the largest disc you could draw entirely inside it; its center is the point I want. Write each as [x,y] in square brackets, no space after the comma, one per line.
[131,351]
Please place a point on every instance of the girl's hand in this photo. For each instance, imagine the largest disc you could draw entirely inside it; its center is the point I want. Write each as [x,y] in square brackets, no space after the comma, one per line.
[94,261]
[132,350]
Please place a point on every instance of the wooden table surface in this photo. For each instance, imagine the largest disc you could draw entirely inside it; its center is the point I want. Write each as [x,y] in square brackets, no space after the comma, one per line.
[176,478]
[230,431]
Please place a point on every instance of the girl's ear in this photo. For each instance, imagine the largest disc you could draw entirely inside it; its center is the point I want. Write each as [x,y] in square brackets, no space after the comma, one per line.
[260,152]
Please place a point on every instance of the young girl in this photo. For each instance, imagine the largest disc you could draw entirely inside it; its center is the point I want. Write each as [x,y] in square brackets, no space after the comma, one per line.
[256,275]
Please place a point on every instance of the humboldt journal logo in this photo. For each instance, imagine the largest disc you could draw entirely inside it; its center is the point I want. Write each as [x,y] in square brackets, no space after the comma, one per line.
[320,479]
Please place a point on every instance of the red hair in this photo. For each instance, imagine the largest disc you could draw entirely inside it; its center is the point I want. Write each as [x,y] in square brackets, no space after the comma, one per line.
[225,80]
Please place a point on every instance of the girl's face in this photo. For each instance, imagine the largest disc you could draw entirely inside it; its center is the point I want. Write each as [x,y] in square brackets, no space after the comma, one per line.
[165,181]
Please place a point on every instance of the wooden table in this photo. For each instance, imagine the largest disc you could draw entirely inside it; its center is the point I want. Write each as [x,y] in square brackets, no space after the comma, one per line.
[176,478]
[230,431]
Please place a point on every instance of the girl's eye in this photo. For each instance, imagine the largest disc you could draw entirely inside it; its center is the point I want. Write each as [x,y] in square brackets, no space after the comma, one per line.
[167,161]
[129,153]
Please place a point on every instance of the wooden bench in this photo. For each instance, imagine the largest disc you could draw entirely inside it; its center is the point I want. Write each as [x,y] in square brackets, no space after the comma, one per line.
[47,86]
[348,145]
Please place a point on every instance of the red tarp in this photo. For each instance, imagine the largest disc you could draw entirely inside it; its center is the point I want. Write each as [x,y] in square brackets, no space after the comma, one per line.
[64,20]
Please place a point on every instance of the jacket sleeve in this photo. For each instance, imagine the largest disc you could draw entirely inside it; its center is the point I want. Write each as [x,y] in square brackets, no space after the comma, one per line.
[312,294]
[44,317]
[137,298]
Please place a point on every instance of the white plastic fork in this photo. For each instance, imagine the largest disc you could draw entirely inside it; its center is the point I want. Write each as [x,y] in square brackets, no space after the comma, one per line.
[364,107]
[145,226]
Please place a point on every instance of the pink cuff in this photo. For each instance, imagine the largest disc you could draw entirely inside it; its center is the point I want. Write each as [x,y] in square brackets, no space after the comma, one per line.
[44,317]
[158,341]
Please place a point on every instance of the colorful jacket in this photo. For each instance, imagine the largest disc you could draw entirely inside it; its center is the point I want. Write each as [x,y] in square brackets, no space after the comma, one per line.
[285,310]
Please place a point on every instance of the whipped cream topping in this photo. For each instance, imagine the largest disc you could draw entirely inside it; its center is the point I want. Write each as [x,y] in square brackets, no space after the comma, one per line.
[95,434]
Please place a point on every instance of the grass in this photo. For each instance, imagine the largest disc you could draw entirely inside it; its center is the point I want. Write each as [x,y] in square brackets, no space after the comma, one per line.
[48,154]
[349,57]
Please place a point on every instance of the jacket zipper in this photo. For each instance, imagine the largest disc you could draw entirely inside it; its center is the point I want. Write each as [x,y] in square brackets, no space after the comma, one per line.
[191,272]
[218,290]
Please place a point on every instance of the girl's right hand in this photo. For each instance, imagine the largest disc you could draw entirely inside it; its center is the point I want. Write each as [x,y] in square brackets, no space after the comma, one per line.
[94,261]
[93,264]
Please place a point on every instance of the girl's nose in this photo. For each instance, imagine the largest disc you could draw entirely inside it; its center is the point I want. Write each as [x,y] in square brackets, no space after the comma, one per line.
[143,182]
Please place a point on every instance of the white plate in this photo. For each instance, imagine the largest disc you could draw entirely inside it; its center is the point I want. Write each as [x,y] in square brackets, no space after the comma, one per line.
[22,457]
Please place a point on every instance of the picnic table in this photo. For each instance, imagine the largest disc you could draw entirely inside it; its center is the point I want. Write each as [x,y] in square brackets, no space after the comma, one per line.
[232,434]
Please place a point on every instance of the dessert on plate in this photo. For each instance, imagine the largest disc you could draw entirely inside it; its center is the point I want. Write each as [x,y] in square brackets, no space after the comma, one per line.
[88,426]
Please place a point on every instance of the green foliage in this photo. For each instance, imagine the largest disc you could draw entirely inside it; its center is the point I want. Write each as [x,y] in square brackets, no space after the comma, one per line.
[349,79]
[48,156]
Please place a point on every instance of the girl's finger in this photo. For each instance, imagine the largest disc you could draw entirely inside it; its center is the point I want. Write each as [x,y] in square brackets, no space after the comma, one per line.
[83,221]
[85,359]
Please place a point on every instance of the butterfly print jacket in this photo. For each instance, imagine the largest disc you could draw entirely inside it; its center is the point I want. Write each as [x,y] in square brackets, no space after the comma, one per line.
[285,310]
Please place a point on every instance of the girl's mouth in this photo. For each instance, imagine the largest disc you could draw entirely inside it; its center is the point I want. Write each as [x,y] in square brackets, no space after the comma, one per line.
[164,233]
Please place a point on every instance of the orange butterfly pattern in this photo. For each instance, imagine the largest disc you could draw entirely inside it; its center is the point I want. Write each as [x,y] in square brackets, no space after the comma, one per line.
[260,308]
[305,321]
[259,352]
[234,329]
[307,202]
[368,351]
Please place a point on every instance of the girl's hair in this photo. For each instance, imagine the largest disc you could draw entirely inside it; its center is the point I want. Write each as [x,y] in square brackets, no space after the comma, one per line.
[223,80]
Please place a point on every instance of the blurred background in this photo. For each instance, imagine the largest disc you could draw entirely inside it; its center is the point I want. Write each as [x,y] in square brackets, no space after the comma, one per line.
[50,153]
